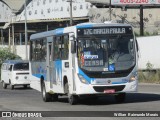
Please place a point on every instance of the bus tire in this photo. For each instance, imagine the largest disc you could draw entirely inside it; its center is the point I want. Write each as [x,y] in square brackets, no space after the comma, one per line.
[4,85]
[55,97]
[120,98]
[46,96]
[25,86]
[72,99]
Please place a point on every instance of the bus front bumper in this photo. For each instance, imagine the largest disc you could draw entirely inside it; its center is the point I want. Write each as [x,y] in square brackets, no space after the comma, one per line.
[107,89]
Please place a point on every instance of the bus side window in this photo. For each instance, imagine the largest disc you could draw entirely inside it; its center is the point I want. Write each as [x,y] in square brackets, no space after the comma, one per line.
[33,52]
[38,50]
[65,49]
[43,49]
[60,47]
[56,48]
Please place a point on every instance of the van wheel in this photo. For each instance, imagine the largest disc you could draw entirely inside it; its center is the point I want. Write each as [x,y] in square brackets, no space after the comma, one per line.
[11,86]
[4,85]
[46,96]
[120,98]
[72,99]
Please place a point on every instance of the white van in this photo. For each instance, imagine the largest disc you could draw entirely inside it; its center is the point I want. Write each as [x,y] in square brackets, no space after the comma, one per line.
[15,72]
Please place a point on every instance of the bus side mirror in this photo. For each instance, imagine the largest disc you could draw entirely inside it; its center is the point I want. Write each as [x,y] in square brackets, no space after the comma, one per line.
[73,47]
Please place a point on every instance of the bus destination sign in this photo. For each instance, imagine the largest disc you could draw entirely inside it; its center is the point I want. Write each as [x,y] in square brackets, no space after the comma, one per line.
[104,31]
[134,2]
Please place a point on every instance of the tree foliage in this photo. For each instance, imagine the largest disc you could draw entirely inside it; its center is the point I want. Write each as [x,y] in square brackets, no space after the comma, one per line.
[5,54]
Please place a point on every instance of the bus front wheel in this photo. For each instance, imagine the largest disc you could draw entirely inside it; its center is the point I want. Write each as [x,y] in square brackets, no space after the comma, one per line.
[120,97]
[54,97]
[72,99]
[46,96]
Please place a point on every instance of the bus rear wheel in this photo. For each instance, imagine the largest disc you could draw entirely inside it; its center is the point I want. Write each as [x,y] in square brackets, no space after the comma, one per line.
[4,85]
[120,98]
[46,96]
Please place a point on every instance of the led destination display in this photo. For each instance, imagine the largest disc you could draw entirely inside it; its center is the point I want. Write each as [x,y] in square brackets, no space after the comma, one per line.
[104,31]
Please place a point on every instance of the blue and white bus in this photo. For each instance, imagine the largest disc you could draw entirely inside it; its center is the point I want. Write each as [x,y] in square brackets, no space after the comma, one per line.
[88,59]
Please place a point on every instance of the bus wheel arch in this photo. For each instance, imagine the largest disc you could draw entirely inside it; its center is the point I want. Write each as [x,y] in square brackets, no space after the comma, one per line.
[65,84]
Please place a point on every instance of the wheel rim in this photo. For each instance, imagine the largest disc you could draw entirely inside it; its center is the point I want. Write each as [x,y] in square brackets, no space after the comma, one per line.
[43,92]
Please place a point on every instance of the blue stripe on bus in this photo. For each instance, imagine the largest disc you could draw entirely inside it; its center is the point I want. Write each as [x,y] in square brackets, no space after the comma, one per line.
[92,79]
[39,76]
[58,68]
[85,26]
[59,31]
[119,82]
[85,76]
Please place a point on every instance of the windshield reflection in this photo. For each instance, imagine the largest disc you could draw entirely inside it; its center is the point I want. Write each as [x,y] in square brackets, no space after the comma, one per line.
[113,53]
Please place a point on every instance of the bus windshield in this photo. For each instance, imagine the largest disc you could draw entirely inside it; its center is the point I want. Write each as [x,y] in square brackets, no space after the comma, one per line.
[109,53]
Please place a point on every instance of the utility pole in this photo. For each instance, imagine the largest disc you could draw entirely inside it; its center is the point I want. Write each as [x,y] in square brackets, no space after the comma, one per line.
[141,21]
[26,36]
[71,16]
[9,38]
[110,11]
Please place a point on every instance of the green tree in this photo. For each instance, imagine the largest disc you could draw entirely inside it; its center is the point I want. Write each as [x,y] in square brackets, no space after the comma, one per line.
[5,54]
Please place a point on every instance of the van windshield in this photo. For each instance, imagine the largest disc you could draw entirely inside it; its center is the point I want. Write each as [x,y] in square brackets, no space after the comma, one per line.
[21,66]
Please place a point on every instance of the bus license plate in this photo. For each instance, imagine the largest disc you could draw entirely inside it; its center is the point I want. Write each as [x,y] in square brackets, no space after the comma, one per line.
[109,91]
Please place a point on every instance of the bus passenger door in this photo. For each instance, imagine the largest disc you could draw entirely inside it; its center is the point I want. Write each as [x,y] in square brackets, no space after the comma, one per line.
[73,51]
[49,61]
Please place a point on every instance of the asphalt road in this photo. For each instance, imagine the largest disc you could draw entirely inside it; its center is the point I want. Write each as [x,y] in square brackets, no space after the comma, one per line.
[20,99]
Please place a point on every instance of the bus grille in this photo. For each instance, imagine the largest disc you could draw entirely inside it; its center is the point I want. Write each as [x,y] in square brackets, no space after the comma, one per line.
[102,88]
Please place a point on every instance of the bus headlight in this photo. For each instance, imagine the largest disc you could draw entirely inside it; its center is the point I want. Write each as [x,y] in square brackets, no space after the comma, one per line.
[132,78]
[82,79]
